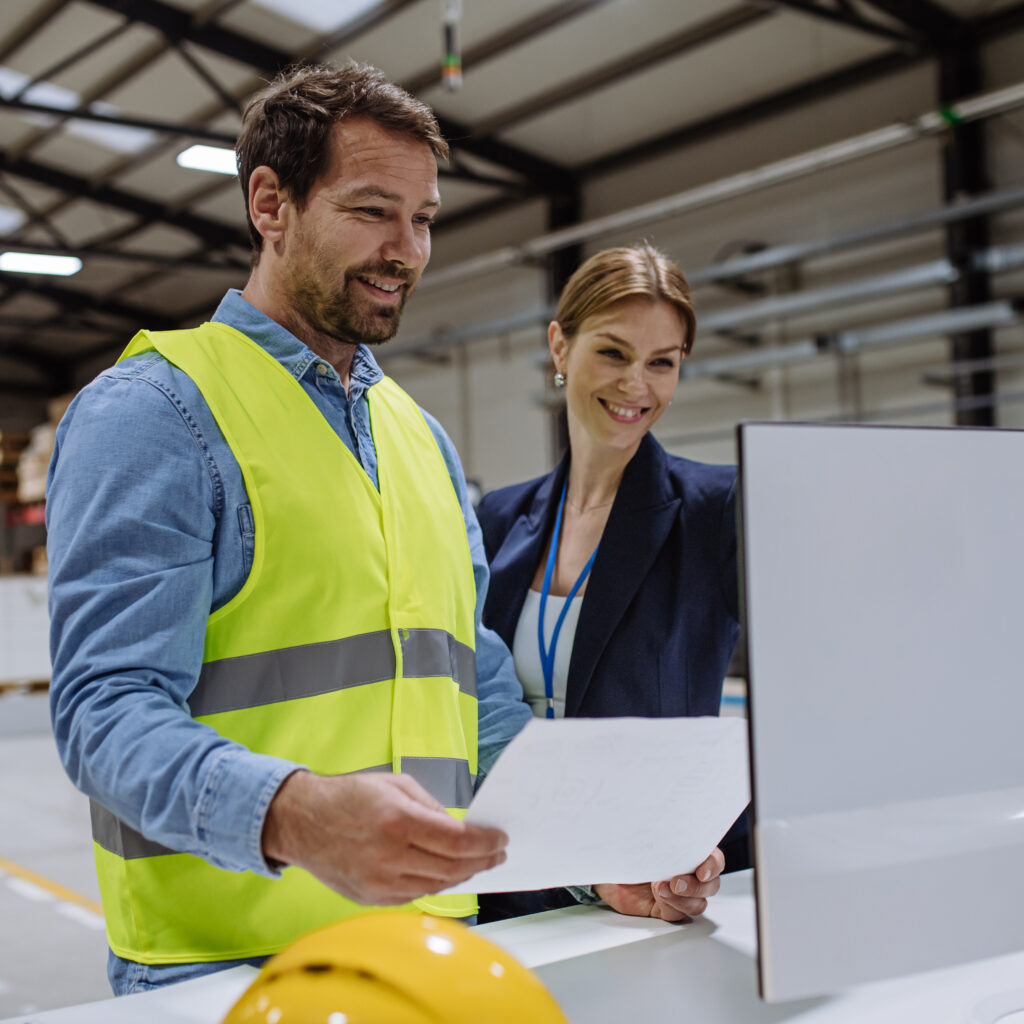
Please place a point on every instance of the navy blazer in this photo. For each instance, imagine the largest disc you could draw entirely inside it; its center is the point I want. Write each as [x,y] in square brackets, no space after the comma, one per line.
[660,615]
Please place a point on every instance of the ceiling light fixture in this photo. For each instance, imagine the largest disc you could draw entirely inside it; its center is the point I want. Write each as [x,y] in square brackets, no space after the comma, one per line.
[317,15]
[208,158]
[39,263]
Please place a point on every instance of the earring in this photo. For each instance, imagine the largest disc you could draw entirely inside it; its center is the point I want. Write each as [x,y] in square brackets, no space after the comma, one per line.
[559,380]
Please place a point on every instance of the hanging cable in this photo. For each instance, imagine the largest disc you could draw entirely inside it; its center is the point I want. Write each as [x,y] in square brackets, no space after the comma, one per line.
[451,60]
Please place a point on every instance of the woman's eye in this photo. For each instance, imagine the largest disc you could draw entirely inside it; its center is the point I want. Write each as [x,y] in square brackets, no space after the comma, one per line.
[663,363]
[612,353]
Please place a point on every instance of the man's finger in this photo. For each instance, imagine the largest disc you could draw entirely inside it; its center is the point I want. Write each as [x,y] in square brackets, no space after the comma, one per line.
[712,867]
[688,885]
[674,908]
[443,836]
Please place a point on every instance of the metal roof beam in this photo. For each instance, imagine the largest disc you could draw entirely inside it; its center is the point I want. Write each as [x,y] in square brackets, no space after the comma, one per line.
[511,37]
[34,359]
[942,28]
[1000,23]
[544,174]
[121,120]
[775,103]
[211,232]
[689,38]
[178,24]
[845,15]
[83,302]
[43,14]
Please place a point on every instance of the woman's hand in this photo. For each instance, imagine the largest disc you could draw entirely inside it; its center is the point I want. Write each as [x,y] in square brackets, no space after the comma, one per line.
[676,899]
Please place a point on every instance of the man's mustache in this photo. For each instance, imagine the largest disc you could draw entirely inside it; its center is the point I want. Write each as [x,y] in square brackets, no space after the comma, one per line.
[382,270]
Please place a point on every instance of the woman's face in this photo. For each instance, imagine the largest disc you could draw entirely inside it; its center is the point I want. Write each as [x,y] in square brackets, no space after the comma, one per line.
[621,369]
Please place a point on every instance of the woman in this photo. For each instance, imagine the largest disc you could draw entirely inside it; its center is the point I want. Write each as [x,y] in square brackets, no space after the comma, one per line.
[627,554]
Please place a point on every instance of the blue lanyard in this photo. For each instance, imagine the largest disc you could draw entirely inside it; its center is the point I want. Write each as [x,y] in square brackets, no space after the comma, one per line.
[547,654]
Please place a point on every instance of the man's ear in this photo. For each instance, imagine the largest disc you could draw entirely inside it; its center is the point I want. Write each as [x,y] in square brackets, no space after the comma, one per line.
[267,203]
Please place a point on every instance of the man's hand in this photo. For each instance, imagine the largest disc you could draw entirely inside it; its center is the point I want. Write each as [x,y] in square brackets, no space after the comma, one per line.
[377,839]
[676,899]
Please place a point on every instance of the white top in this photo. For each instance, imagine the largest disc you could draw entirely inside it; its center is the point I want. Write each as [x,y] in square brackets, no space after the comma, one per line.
[526,653]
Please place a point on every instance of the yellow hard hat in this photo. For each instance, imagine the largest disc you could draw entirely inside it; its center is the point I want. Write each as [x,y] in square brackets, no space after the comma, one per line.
[395,968]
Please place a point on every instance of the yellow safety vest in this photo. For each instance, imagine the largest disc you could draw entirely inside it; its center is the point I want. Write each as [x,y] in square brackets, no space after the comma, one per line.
[349,648]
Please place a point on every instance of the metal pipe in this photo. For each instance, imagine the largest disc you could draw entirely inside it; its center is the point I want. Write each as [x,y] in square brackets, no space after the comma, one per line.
[995,261]
[936,272]
[834,155]
[882,416]
[778,255]
[952,321]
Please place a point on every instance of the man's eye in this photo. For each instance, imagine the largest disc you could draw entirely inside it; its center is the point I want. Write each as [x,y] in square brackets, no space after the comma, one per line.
[424,219]
[373,211]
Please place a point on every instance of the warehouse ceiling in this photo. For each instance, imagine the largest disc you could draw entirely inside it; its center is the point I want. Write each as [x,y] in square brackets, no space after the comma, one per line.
[99,97]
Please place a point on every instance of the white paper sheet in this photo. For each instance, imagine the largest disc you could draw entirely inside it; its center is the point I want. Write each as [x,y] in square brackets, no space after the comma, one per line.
[588,800]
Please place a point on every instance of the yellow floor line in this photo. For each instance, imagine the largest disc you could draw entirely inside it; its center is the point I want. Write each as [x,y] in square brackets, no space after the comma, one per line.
[54,888]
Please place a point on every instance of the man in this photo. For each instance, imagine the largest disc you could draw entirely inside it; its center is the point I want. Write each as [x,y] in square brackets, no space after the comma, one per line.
[237,594]
[264,606]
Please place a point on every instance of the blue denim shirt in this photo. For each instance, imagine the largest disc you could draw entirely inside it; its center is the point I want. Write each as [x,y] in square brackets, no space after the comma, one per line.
[149,530]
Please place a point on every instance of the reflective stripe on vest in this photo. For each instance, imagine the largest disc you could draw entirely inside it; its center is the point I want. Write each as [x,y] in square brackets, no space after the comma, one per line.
[254,679]
[447,780]
[348,649]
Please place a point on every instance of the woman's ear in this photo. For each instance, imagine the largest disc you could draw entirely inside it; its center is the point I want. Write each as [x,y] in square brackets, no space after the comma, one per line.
[267,203]
[558,345]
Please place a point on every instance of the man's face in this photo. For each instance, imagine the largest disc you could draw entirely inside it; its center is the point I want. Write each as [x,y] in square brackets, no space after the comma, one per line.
[352,256]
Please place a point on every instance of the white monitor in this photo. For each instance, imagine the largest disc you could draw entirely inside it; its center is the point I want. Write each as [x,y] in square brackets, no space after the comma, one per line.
[883,575]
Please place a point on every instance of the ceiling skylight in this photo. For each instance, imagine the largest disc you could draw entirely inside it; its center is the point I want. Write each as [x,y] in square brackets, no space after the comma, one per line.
[208,158]
[39,263]
[121,139]
[10,219]
[315,14]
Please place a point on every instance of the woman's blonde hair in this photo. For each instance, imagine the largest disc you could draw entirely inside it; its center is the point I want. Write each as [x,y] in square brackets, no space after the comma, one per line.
[623,273]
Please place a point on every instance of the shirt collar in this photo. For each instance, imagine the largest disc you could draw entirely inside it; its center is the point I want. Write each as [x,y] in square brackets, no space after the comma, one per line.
[294,355]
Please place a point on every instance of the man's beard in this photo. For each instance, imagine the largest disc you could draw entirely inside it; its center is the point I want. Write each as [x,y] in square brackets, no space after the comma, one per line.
[339,317]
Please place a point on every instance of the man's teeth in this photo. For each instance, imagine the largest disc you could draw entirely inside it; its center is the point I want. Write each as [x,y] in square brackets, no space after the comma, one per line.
[381,285]
[619,411]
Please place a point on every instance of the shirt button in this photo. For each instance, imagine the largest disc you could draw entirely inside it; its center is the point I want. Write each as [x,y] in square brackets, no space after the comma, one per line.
[321,368]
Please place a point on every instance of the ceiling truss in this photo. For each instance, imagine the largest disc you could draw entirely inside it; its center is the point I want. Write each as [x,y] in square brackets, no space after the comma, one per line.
[918,29]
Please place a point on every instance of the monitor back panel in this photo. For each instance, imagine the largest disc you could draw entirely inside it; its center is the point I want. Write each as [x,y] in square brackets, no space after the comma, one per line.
[883,576]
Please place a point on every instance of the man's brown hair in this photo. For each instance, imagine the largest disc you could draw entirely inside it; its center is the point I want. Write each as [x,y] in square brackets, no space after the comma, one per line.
[288,125]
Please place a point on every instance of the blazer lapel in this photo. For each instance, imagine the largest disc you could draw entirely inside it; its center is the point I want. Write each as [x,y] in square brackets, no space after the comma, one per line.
[515,564]
[638,525]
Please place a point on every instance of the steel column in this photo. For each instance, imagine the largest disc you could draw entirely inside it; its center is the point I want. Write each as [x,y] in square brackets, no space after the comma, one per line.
[964,173]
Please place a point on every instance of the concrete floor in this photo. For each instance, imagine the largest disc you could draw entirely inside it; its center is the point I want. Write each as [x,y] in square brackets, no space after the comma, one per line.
[52,945]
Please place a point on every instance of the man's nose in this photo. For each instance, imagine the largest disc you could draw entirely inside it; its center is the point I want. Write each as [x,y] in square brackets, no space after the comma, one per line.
[405,247]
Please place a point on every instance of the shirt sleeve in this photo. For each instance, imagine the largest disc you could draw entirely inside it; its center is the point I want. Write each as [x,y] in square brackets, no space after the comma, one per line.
[132,510]
[502,711]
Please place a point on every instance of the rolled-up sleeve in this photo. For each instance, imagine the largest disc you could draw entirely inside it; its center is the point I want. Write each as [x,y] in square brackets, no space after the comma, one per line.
[132,509]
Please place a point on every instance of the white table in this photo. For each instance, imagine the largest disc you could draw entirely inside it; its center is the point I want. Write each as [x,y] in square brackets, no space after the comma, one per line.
[606,969]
